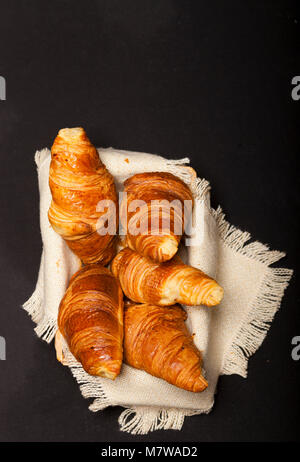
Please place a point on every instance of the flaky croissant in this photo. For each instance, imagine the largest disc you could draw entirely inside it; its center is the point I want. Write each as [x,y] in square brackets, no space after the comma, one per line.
[155,228]
[145,281]
[157,341]
[79,181]
[91,320]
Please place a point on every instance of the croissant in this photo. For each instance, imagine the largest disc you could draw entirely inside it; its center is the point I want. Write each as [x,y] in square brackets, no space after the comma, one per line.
[78,181]
[145,281]
[155,228]
[91,320]
[157,341]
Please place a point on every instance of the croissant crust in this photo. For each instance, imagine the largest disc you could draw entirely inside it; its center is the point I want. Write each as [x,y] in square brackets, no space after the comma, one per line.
[157,341]
[79,181]
[145,281]
[91,320]
[155,229]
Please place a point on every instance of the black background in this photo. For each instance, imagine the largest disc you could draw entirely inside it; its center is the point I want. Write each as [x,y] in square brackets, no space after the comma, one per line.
[206,79]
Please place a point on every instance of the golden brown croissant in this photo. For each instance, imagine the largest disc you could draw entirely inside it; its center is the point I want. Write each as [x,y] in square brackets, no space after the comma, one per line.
[145,281]
[79,181]
[91,320]
[156,340]
[155,230]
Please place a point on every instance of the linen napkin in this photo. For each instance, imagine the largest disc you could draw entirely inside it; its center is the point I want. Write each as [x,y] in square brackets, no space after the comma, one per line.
[227,334]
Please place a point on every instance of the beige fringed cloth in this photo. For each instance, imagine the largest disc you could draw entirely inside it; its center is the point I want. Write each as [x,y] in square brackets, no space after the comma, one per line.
[227,334]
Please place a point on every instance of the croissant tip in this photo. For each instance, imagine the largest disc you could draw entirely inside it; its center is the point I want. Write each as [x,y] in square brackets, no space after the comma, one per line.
[215,296]
[108,372]
[200,385]
[71,133]
[167,249]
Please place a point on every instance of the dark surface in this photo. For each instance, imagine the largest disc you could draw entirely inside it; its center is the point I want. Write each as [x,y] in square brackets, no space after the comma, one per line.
[207,79]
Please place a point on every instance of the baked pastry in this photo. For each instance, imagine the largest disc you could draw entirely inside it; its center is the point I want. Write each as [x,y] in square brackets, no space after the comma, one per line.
[145,281]
[155,226]
[91,320]
[79,181]
[157,341]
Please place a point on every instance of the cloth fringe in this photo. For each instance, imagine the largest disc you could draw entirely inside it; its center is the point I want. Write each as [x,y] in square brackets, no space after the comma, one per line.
[34,305]
[199,186]
[46,329]
[40,156]
[179,168]
[90,386]
[255,327]
[266,302]
[236,240]
[140,421]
